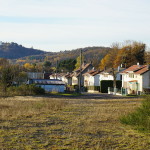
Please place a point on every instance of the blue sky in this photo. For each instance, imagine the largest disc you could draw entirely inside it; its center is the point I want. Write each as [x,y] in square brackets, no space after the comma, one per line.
[55,25]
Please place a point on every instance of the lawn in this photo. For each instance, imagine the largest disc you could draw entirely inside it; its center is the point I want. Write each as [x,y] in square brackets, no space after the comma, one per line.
[68,123]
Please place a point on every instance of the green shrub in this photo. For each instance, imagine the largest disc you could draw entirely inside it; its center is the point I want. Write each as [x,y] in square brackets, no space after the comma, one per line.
[24,90]
[140,118]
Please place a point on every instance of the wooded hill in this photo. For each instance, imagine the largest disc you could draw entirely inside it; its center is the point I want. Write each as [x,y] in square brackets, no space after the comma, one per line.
[91,54]
[15,51]
[20,54]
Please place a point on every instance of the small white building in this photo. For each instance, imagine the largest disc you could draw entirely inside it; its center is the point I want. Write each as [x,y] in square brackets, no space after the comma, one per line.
[48,85]
[136,78]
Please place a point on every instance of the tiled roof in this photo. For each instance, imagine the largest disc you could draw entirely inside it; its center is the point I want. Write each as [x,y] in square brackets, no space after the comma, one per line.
[92,72]
[141,71]
[137,69]
[82,69]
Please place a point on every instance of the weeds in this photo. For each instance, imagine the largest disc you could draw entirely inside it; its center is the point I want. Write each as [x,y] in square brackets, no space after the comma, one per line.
[52,123]
[140,118]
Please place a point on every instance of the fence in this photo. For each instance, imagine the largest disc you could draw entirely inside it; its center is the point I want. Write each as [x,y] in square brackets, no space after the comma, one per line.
[116,91]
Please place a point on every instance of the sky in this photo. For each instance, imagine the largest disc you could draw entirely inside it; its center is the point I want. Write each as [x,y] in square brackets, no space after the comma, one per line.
[58,25]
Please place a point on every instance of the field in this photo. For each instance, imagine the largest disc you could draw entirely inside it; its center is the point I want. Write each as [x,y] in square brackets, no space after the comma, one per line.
[68,123]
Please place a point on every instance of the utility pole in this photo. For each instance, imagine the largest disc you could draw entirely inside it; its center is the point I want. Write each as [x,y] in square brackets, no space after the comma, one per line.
[80,76]
[56,68]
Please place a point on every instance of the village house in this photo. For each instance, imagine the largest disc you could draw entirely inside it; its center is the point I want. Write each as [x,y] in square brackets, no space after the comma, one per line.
[92,78]
[76,74]
[136,79]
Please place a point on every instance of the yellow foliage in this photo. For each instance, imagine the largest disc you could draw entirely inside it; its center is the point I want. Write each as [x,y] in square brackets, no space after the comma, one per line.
[28,66]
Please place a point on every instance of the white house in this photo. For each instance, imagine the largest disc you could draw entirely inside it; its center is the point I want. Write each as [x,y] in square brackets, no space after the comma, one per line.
[48,85]
[92,78]
[136,78]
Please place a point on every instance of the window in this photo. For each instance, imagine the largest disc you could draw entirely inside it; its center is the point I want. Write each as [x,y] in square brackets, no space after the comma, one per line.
[106,75]
[131,75]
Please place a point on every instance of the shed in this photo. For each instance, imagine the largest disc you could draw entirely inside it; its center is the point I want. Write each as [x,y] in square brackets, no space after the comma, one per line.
[49,85]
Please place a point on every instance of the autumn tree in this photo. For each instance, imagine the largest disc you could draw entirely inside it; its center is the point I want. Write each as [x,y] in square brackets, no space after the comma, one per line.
[9,74]
[29,67]
[128,54]
[78,62]
[108,60]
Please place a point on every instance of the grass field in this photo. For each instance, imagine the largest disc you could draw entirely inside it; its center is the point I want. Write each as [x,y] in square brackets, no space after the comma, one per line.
[68,124]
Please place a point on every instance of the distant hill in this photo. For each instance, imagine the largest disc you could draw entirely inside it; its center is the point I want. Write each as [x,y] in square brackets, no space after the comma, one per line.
[19,54]
[15,51]
[91,54]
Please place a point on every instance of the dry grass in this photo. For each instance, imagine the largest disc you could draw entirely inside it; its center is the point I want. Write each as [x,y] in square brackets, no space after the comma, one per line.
[46,123]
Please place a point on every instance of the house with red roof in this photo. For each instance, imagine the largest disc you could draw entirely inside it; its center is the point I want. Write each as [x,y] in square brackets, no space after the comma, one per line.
[136,79]
[76,74]
[92,78]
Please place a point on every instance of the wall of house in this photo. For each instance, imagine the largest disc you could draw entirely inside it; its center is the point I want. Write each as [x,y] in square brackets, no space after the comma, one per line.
[91,81]
[74,80]
[119,76]
[106,77]
[97,80]
[125,82]
[86,80]
[146,80]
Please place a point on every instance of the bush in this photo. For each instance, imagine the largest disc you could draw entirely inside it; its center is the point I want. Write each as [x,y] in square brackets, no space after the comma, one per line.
[24,90]
[140,118]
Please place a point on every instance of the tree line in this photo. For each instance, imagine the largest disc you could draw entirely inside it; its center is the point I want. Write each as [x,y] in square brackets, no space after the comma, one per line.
[126,54]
